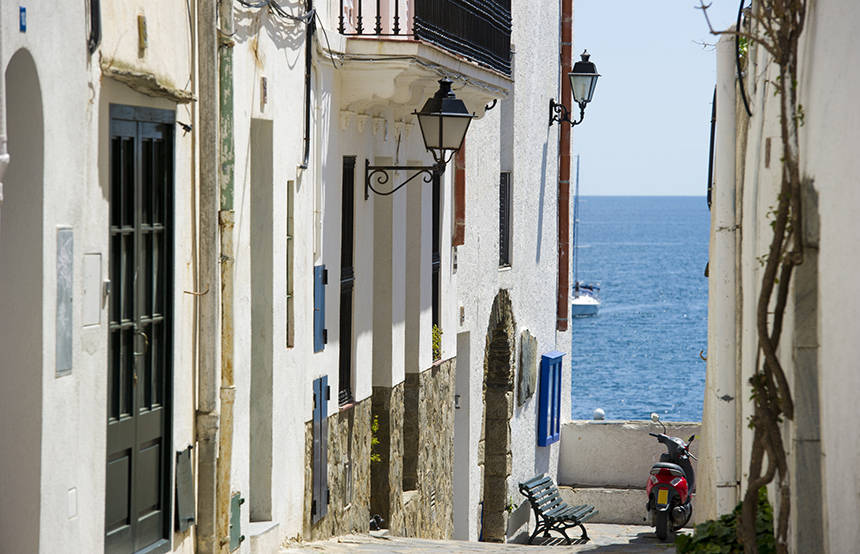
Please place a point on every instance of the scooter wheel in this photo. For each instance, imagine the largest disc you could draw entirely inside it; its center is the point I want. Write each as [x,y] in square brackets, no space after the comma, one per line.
[663,525]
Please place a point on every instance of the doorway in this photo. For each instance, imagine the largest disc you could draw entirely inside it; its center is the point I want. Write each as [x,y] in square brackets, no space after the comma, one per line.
[137,499]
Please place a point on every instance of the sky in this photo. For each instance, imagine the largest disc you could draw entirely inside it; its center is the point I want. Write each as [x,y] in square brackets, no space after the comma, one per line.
[646,131]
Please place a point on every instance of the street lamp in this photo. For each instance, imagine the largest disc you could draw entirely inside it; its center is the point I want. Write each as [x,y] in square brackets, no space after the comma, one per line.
[444,121]
[583,79]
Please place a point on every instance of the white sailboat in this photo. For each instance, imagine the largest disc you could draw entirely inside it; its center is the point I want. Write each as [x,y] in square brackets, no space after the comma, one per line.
[586,299]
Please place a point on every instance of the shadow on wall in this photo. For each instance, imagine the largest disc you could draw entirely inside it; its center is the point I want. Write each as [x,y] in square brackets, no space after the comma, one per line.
[542,458]
[541,203]
[21,340]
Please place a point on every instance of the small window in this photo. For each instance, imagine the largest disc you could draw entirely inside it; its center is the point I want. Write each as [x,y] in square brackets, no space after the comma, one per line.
[549,407]
[505,219]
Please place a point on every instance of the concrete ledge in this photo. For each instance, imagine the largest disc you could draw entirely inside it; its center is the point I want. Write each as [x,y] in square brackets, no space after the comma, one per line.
[264,537]
[623,506]
[614,454]
[618,506]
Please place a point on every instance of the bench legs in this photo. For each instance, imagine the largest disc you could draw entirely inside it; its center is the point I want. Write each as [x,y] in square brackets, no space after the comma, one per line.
[561,528]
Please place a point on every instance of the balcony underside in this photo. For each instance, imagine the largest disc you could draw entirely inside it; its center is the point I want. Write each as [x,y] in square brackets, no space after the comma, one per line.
[392,77]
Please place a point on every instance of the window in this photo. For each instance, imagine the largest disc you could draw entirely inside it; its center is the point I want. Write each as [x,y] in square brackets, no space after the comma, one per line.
[505,219]
[347,280]
[549,407]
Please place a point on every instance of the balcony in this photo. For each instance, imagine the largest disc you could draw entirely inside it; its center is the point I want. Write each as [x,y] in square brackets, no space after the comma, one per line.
[396,50]
[479,30]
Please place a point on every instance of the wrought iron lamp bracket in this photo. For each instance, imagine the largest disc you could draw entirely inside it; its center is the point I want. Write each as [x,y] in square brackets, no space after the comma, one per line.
[381,173]
[557,112]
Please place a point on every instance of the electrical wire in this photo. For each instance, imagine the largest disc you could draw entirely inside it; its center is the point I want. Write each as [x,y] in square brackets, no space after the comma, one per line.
[276,8]
[278,11]
[328,45]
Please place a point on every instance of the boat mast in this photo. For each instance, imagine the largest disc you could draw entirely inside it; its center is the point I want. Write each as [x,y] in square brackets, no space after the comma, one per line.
[575,232]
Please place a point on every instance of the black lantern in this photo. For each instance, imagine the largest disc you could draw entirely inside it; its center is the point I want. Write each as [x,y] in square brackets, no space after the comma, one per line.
[444,121]
[583,80]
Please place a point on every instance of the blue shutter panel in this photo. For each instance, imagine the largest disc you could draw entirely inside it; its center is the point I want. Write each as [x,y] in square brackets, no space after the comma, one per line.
[549,405]
[319,505]
[320,279]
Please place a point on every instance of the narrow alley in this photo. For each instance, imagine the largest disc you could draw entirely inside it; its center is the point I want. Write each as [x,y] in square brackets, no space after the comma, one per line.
[604,539]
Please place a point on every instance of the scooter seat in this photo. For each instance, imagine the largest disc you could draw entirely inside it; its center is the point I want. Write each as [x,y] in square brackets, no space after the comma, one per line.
[674,469]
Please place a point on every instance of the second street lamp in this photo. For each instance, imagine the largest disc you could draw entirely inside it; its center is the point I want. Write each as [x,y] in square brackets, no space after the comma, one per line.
[583,79]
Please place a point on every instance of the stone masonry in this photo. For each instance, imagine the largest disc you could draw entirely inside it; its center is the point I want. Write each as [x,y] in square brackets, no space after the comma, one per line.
[386,481]
[429,511]
[494,452]
[348,474]
[419,413]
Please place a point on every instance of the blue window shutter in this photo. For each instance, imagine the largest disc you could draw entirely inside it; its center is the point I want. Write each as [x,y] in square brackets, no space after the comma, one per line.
[319,505]
[549,405]
[320,275]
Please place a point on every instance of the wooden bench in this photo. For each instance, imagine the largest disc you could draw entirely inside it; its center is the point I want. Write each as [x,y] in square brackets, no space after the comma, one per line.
[551,513]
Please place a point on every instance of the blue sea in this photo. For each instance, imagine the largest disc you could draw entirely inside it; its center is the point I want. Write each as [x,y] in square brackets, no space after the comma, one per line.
[641,353]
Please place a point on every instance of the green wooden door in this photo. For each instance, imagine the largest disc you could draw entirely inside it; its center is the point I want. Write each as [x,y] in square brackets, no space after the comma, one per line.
[137,501]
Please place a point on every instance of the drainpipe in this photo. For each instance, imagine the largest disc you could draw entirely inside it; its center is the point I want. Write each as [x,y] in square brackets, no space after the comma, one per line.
[4,154]
[309,41]
[563,298]
[208,418]
[226,218]
[722,395]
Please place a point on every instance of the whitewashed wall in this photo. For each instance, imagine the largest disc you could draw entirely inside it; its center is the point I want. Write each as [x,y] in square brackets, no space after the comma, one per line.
[512,137]
[828,143]
[67,513]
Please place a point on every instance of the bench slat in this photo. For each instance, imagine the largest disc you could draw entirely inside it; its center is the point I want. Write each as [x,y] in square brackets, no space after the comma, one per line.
[536,481]
[547,500]
[538,495]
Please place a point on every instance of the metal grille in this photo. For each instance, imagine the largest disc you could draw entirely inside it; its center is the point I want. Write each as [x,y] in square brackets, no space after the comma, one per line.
[477,29]
[505,219]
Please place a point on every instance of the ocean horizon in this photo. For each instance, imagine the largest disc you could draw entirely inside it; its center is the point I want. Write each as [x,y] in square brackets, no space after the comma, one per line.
[642,353]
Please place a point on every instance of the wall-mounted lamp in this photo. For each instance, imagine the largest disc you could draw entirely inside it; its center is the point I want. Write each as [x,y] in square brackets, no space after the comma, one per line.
[444,121]
[583,79]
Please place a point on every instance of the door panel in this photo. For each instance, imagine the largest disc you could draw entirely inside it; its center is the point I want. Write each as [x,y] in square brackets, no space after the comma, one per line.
[137,505]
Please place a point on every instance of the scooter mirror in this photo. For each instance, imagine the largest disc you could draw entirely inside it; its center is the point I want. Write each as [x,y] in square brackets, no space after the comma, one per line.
[654,417]
[690,440]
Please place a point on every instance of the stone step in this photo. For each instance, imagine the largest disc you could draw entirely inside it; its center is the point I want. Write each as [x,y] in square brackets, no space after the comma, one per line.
[616,505]
[623,506]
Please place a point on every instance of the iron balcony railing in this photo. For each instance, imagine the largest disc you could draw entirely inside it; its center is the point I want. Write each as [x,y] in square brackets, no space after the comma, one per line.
[476,29]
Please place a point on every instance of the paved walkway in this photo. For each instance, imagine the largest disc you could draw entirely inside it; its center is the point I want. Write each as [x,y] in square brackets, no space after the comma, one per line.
[605,539]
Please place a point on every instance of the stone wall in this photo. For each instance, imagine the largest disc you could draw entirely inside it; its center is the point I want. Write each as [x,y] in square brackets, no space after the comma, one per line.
[494,453]
[386,480]
[429,511]
[426,511]
[348,473]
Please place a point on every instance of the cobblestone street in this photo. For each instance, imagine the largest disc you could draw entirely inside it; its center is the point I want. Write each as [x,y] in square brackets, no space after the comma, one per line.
[605,539]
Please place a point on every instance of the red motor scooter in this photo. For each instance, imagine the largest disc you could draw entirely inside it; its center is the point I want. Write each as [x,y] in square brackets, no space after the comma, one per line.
[670,485]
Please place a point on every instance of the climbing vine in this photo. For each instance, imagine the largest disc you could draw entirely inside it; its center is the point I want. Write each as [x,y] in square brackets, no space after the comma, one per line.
[775,25]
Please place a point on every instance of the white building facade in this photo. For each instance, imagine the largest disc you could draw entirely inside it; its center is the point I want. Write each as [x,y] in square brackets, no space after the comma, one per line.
[214,337]
[821,318]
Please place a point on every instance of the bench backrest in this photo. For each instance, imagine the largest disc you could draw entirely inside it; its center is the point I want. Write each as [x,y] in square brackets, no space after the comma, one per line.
[542,494]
